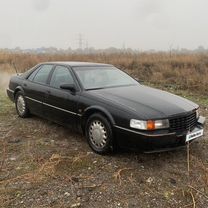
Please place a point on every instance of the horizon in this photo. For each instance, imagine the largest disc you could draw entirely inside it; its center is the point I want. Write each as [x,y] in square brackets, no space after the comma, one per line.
[110,49]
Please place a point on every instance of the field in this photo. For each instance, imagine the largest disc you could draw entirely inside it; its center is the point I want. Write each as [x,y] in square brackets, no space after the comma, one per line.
[181,71]
[43,164]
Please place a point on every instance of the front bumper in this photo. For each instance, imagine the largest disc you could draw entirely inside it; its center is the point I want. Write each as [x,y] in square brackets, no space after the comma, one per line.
[10,94]
[157,141]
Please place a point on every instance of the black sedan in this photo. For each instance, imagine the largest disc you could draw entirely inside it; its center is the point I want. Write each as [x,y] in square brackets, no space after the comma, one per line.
[111,108]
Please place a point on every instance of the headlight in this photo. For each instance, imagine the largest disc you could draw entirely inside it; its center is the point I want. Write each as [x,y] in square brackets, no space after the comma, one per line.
[150,124]
[138,124]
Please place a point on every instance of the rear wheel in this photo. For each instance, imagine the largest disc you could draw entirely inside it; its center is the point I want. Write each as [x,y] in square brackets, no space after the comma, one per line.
[99,134]
[21,105]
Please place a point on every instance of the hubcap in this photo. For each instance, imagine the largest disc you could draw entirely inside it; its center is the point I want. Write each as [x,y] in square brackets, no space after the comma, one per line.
[98,134]
[21,104]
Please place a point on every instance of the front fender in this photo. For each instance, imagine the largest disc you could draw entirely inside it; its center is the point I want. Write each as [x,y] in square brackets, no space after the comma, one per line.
[18,89]
[96,108]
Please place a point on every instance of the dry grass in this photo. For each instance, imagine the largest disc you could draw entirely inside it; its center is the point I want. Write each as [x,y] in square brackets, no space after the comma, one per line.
[181,71]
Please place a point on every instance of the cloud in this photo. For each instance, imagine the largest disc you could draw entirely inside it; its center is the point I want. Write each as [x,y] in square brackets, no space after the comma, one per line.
[149,7]
[41,5]
[154,13]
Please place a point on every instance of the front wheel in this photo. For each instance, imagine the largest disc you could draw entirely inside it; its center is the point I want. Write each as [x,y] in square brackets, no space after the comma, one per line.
[99,134]
[21,105]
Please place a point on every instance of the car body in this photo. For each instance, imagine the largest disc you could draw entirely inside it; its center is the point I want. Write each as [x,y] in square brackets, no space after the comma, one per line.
[110,107]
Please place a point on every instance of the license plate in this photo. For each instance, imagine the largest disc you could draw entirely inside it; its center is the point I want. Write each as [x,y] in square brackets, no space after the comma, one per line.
[194,135]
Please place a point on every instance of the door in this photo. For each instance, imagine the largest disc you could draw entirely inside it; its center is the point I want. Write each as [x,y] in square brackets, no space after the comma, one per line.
[35,86]
[61,105]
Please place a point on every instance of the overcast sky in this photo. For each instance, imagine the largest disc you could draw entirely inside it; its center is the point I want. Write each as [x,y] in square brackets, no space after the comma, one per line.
[139,24]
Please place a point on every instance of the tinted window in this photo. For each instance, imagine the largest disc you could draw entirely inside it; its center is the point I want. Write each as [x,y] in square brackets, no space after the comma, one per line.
[42,75]
[61,75]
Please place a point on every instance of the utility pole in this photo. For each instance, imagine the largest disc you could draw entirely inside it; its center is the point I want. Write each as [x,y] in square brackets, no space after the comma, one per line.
[124,46]
[170,50]
[86,44]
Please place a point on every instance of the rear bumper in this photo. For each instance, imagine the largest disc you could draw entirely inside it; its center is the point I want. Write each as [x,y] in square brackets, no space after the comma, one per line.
[153,142]
[10,94]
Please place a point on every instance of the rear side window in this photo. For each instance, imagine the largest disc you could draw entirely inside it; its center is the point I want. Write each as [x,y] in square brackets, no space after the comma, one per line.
[42,75]
[61,75]
[31,77]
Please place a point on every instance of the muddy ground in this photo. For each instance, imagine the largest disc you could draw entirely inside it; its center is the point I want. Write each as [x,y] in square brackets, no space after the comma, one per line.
[43,164]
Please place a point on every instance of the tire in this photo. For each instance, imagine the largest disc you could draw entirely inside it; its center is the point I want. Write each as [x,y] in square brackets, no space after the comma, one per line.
[21,105]
[99,134]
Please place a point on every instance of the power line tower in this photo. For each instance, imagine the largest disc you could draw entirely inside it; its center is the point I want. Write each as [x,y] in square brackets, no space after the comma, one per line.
[80,40]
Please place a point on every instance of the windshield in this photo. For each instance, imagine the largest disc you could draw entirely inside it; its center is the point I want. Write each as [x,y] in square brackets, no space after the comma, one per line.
[103,77]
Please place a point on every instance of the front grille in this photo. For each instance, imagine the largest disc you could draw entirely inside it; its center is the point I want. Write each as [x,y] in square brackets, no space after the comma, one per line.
[183,123]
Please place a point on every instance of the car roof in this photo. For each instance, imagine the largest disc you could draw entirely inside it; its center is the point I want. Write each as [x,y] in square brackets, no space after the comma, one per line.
[76,63]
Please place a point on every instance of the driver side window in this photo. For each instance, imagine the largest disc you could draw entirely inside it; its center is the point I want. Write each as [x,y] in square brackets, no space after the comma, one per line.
[61,75]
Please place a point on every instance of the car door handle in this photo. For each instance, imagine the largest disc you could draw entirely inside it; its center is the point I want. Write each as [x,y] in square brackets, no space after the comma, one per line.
[48,91]
[25,85]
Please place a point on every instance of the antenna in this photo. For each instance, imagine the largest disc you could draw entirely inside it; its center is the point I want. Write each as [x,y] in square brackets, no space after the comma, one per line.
[14,66]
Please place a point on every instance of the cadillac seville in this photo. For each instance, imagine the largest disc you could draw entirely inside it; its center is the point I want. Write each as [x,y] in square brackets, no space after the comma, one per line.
[111,108]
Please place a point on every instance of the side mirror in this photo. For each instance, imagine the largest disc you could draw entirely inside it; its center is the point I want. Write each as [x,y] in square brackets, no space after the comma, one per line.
[70,87]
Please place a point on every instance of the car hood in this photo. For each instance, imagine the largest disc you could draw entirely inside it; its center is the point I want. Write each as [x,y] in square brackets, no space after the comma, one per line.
[146,102]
